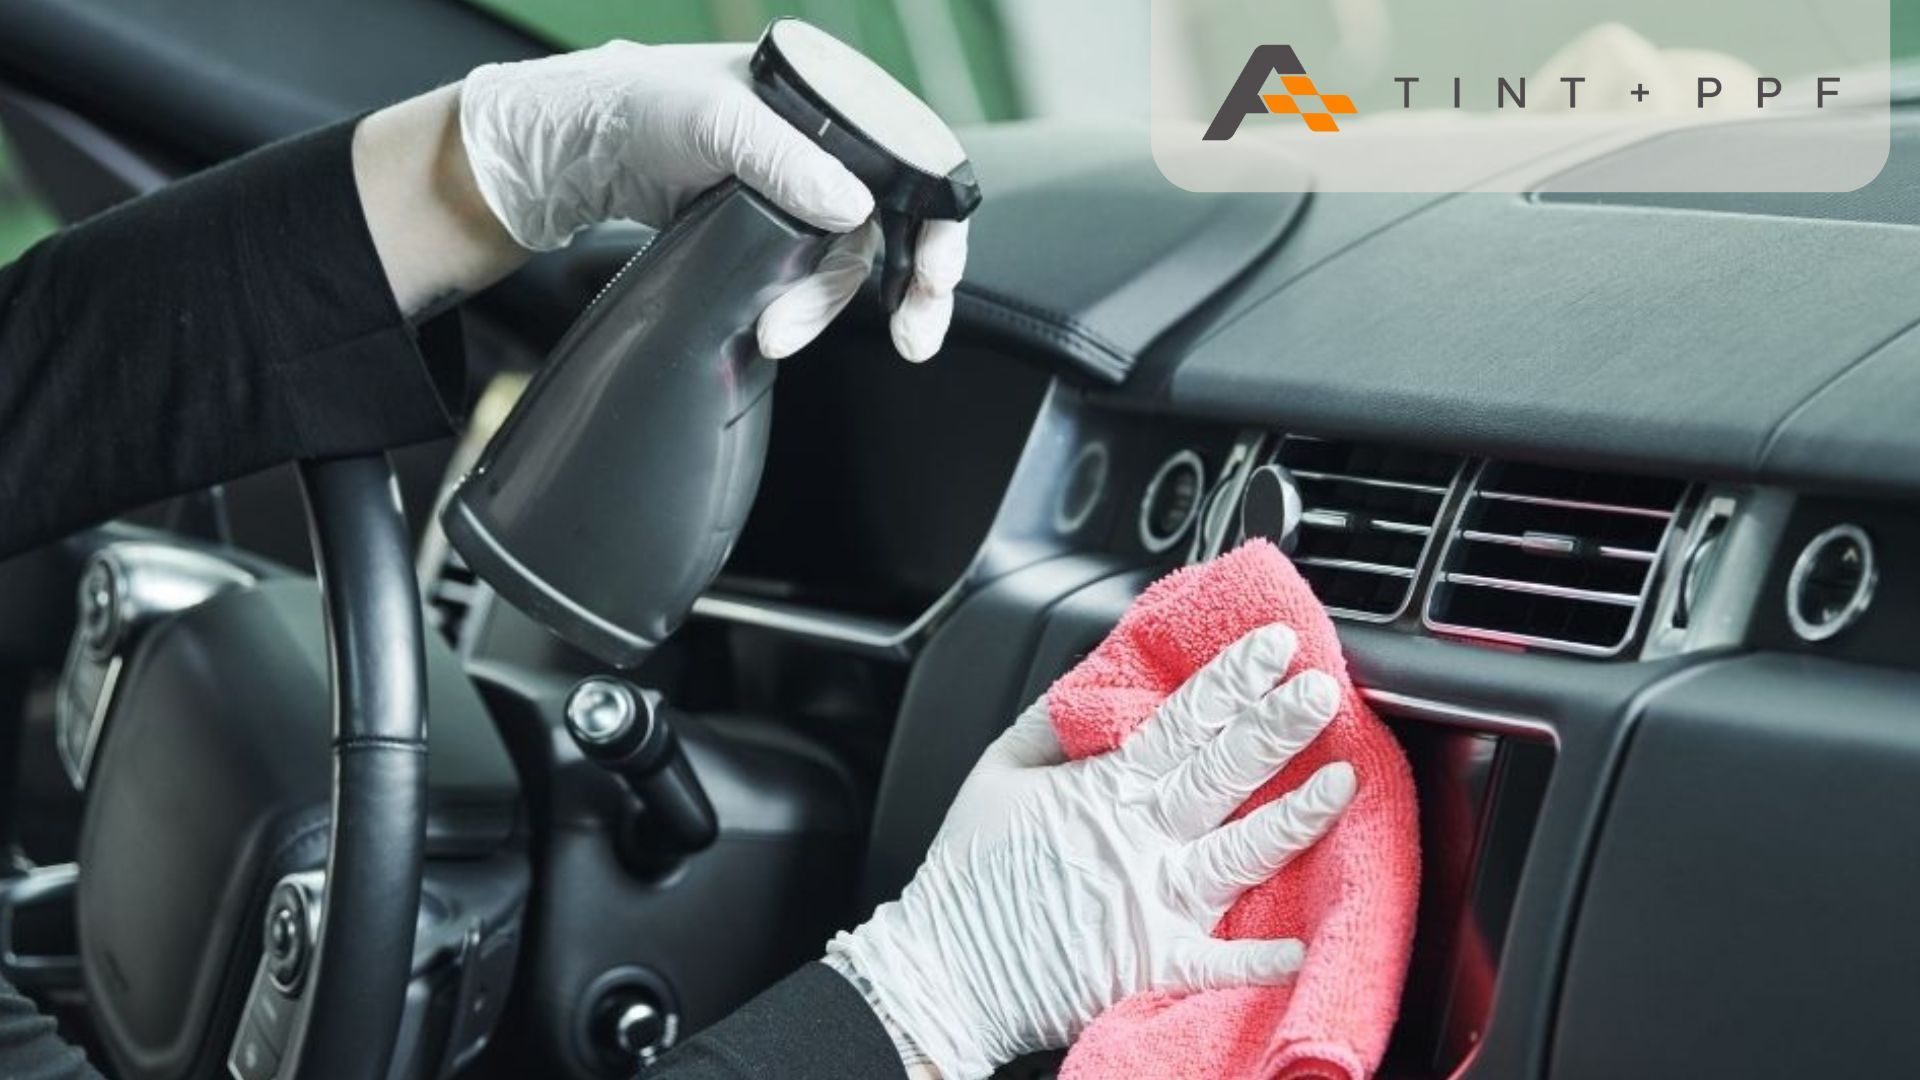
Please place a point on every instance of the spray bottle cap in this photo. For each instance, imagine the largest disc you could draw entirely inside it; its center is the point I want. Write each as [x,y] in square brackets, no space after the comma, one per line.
[905,154]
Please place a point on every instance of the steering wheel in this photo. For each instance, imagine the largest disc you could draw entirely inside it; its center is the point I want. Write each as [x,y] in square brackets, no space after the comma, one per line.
[357,980]
[209,806]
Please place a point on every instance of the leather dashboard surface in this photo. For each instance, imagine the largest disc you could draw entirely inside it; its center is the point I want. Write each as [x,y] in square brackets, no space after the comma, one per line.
[1698,340]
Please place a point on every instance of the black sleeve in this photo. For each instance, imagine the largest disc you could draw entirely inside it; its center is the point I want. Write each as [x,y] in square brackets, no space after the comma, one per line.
[813,1025]
[29,1048]
[235,320]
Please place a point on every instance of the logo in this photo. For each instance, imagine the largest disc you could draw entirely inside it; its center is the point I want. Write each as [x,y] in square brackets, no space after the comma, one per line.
[1302,98]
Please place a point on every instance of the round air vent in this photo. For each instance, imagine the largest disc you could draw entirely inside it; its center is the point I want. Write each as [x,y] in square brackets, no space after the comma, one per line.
[1832,583]
[1086,483]
[1172,501]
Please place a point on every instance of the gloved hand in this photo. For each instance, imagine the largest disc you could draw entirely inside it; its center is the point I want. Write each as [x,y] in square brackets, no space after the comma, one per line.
[636,132]
[1055,889]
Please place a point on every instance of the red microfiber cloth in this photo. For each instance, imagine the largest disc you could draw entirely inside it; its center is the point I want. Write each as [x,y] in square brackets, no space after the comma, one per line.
[1351,898]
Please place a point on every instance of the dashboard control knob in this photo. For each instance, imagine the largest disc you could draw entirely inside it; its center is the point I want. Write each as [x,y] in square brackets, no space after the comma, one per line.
[601,711]
[1272,507]
[1832,583]
[627,1020]
[1172,501]
[638,1028]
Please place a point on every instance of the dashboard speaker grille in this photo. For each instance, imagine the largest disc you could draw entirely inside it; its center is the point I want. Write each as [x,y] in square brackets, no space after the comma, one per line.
[1553,558]
[1368,518]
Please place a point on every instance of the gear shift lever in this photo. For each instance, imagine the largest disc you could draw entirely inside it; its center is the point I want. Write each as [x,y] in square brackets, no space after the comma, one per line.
[626,731]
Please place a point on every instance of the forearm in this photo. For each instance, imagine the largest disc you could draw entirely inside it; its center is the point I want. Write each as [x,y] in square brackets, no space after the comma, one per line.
[231,322]
[436,238]
[813,1025]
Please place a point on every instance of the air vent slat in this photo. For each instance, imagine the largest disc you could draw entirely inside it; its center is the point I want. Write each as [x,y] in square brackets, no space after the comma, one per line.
[1576,504]
[1369,518]
[1561,592]
[1554,558]
[1357,567]
[1369,481]
[1553,545]
[1342,522]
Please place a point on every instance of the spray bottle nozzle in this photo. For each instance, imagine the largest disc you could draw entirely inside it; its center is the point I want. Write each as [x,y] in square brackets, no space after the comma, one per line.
[889,138]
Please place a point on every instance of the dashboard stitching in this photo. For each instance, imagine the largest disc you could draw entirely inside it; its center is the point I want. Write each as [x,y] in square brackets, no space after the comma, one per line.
[1054,329]
[1256,303]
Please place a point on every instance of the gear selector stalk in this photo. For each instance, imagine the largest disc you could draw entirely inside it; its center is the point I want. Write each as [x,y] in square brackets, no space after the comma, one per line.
[627,732]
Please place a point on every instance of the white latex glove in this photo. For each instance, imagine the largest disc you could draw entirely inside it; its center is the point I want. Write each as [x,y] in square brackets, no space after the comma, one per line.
[635,132]
[1055,889]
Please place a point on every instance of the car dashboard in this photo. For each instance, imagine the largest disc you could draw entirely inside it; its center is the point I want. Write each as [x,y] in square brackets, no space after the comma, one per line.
[1610,499]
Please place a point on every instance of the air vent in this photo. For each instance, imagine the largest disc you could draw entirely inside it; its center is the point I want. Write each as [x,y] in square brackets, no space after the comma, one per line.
[1553,558]
[1368,515]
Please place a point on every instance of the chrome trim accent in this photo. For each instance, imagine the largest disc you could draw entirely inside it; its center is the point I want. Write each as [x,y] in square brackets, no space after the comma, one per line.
[1371,481]
[1356,566]
[1536,588]
[1462,716]
[1331,520]
[1221,520]
[40,884]
[1856,605]
[96,723]
[600,711]
[1155,543]
[1094,455]
[1533,543]
[1441,513]
[1442,576]
[1578,504]
[126,588]
[875,637]
[1400,527]
[1630,554]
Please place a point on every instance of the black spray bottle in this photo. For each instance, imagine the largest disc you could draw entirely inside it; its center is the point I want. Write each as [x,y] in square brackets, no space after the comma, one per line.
[607,502]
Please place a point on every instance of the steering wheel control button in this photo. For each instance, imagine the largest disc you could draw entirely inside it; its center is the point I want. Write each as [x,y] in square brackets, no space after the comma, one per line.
[254,1056]
[601,712]
[1172,501]
[286,937]
[1272,507]
[1832,583]
[99,607]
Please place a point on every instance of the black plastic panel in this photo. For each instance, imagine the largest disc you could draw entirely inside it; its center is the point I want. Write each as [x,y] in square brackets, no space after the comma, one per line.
[1889,630]
[1750,913]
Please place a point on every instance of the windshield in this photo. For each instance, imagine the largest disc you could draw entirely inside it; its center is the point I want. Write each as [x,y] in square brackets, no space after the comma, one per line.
[1005,59]
[973,60]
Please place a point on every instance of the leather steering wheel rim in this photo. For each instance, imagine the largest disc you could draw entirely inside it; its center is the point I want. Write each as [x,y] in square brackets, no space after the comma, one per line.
[357,982]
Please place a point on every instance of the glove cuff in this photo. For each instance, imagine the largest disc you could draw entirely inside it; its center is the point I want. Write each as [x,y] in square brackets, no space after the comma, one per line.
[909,984]
[486,135]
